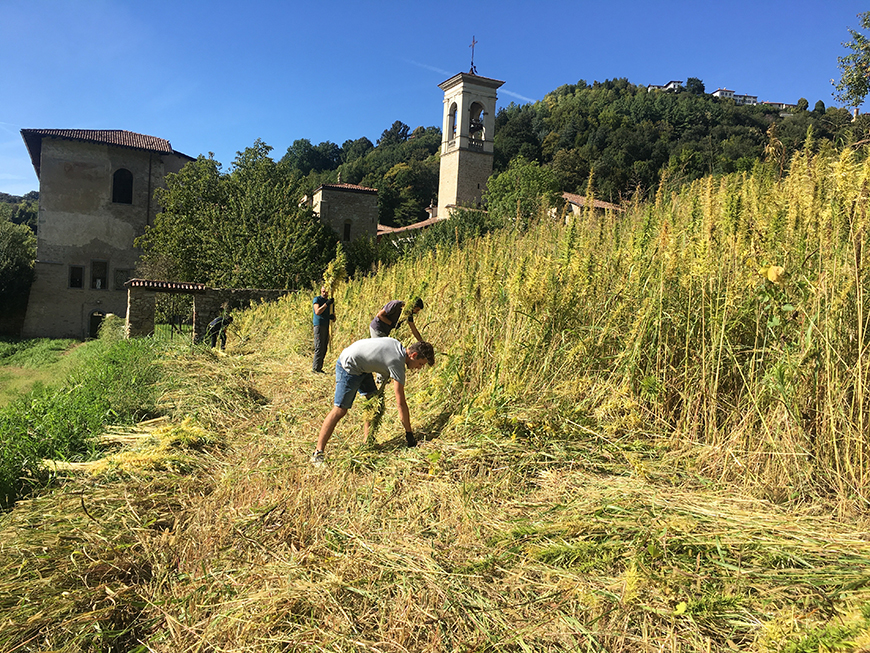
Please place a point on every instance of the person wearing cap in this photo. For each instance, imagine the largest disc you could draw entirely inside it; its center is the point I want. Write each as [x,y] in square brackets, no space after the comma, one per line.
[324,312]
[387,319]
[353,375]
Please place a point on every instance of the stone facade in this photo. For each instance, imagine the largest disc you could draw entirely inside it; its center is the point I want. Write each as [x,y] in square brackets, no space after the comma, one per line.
[467,140]
[208,303]
[350,211]
[96,191]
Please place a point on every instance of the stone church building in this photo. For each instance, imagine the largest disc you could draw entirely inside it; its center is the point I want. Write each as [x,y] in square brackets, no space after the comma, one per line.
[350,210]
[96,196]
[96,190]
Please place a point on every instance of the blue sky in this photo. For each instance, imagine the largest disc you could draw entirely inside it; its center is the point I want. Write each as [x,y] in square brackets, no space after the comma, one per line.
[214,76]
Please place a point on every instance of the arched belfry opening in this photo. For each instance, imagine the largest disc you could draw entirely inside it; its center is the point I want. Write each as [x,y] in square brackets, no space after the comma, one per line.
[475,122]
[467,141]
[452,125]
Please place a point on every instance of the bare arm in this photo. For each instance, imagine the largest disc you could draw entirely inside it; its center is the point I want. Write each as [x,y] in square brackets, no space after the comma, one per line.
[414,331]
[382,316]
[320,309]
[402,404]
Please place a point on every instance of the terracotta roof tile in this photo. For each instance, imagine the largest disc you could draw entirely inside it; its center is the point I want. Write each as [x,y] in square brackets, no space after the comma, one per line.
[348,187]
[116,137]
[428,222]
[183,286]
[580,200]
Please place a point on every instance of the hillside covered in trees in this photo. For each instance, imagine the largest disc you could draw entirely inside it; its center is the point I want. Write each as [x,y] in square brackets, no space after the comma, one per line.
[623,135]
[246,227]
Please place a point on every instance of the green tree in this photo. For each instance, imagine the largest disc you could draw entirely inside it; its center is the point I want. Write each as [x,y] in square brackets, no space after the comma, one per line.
[353,150]
[803,104]
[407,189]
[695,86]
[854,84]
[522,192]
[395,135]
[245,228]
[17,255]
[308,158]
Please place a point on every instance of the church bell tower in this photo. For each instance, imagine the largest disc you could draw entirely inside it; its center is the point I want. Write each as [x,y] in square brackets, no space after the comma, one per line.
[467,140]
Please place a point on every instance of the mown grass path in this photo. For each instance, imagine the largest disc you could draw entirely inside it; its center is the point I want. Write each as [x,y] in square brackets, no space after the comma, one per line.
[470,542]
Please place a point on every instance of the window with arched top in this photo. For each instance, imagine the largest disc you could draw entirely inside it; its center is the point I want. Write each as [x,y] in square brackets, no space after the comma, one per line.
[451,122]
[475,123]
[122,186]
[347,224]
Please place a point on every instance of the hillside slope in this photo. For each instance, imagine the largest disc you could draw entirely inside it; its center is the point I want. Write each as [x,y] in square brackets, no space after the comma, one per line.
[586,541]
[642,433]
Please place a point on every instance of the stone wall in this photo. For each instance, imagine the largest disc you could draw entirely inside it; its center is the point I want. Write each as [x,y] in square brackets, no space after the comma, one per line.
[208,303]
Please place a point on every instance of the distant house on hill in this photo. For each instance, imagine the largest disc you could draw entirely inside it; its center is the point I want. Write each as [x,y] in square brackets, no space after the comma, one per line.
[96,189]
[727,94]
[671,87]
[778,105]
[350,210]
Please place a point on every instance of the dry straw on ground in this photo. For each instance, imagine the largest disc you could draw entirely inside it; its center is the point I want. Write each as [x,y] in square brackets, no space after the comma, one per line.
[638,441]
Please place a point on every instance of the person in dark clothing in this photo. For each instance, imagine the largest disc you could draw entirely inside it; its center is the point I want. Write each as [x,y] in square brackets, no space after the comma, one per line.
[218,328]
[324,313]
[387,319]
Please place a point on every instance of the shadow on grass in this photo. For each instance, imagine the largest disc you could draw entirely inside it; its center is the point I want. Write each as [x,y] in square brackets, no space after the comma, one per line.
[429,431]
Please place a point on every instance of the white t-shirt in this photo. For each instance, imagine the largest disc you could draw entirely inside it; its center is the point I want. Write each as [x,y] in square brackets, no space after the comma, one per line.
[384,356]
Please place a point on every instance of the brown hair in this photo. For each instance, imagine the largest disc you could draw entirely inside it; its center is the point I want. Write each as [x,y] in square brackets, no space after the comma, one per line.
[424,349]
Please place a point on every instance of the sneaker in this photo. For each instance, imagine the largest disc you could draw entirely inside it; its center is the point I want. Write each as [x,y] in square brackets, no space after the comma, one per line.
[318,458]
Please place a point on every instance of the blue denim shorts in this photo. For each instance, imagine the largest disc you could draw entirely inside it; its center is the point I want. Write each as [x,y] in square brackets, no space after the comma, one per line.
[347,385]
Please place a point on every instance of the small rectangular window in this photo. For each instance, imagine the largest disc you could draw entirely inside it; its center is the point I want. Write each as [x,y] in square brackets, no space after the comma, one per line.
[99,275]
[121,277]
[347,231]
[77,276]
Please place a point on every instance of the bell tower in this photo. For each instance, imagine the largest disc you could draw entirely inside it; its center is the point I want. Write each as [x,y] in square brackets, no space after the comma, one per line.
[467,140]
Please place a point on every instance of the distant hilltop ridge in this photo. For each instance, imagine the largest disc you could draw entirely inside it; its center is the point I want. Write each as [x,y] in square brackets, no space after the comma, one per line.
[32,196]
[674,86]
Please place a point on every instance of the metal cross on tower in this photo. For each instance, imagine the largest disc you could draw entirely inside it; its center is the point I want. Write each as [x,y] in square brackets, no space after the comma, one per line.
[473,70]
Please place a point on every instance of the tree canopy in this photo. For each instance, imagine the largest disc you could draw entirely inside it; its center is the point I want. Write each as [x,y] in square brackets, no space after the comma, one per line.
[242,229]
[17,254]
[854,84]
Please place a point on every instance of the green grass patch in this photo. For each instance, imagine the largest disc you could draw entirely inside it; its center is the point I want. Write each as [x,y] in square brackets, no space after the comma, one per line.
[112,383]
[41,352]
[25,365]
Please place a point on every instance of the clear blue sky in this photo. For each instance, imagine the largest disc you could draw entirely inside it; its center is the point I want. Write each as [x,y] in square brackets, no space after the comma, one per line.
[214,76]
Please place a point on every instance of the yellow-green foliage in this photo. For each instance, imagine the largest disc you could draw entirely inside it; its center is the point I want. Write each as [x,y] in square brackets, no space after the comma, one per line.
[336,271]
[731,311]
[598,384]
[164,449]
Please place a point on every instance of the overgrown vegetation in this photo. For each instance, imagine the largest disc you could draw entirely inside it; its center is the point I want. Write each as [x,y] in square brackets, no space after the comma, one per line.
[645,432]
[26,363]
[17,256]
[115,383]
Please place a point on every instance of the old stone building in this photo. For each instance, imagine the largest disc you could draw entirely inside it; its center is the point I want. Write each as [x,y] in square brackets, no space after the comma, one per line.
[96,190]
[350,210]
[467,140]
